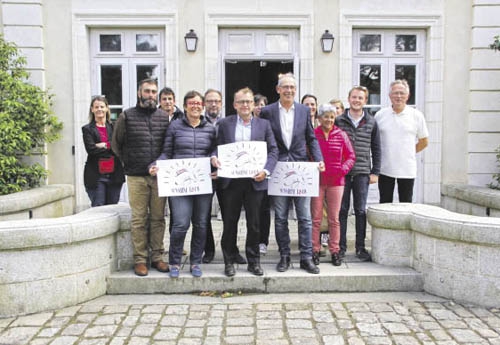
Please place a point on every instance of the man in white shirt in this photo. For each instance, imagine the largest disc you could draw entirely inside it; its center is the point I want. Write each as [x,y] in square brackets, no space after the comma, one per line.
[403,133]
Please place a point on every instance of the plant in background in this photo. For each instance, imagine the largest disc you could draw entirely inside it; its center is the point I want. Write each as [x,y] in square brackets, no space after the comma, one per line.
[496,43]
[496,177]
[26,123]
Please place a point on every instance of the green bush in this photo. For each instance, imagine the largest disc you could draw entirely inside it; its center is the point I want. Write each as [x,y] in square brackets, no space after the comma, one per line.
[26,123]
[496,177]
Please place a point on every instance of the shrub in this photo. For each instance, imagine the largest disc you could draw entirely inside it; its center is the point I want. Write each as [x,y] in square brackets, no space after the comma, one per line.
[26,123]
[496,177]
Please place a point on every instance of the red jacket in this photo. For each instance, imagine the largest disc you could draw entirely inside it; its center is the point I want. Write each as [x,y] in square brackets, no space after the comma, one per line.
[338,156]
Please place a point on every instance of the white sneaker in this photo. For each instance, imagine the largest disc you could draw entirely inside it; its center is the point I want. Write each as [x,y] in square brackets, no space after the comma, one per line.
[263,249]
[324,240]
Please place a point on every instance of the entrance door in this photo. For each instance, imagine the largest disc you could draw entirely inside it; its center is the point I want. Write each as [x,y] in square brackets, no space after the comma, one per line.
[260,76]
[255,57]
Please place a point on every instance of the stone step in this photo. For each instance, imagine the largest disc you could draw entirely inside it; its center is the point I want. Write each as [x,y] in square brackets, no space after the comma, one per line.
[349,277]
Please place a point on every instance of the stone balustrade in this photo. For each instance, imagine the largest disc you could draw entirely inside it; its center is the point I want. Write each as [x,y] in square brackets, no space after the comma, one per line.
[474,200]
[458,254]
[44,202]
[58,262]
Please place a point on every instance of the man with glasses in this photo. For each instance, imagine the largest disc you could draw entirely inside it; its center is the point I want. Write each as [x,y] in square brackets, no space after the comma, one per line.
[294,134]
[138,141]
[363,132]
[246,192]
[403,133]
[213,113]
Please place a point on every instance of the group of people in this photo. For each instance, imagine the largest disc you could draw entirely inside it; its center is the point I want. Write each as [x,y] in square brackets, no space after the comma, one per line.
[351,147]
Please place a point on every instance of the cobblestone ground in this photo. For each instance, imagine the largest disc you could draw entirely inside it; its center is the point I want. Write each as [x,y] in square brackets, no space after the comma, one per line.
[380,318]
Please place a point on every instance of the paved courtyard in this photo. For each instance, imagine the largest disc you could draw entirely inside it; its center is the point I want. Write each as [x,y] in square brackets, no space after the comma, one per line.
[359,318]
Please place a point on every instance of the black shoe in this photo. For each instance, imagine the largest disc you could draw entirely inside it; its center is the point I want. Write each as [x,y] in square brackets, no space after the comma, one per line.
[240,259]
[309,266]
[342,253]
[363,255]
[316,258]
[229,270]
[284,264]
[336,260]
[208,258]
[255,269]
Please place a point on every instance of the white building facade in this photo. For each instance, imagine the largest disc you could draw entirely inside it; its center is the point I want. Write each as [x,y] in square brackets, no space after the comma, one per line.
[80,48]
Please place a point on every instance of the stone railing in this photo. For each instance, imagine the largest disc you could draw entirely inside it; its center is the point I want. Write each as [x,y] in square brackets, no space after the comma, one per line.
[45,202]
[458,254]
[474,200]
[57,262]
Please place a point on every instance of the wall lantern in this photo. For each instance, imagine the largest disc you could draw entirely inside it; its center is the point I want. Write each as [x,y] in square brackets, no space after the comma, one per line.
[191,39]
[327,42]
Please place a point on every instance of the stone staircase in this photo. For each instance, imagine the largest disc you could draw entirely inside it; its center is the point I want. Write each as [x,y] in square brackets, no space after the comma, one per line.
[351,276]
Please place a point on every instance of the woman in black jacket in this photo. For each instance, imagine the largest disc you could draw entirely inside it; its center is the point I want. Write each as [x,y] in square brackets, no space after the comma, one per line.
[103,175]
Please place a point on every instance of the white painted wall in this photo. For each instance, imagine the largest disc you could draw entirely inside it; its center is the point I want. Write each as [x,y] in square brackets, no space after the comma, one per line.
[484,113]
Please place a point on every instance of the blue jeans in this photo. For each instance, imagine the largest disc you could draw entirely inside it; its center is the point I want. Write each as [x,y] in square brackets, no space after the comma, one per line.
[303,210]
[359,186]
[187,209]
[106,193]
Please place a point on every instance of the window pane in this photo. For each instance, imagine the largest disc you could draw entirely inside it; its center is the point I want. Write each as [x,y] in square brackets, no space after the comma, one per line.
[111,83]
[115,112]
[370,43]
[110,43]
[408,73]
[277,44]
[147,42]
[406,43]
[369,76]
[147,71]
[240,43]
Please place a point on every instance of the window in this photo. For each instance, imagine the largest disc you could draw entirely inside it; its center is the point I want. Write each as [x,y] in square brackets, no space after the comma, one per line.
[122,58]
[382,56]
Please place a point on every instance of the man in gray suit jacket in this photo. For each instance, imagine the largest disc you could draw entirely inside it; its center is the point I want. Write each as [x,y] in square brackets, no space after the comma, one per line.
[246,192]
[294,134]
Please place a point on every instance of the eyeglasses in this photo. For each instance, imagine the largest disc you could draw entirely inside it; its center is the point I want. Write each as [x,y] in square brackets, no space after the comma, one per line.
[97,96]
[244,101]
[194,104]
[213,101]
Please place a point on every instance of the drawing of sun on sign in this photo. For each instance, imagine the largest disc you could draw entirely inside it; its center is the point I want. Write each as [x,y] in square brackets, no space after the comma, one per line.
[190,176]
[242,159]
[295,179]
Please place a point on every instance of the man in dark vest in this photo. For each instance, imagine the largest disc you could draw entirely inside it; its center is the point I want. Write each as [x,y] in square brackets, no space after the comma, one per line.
[363,132]
[138,141]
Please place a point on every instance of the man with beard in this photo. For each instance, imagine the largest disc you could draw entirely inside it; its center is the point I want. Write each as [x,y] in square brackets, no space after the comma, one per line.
[138,141]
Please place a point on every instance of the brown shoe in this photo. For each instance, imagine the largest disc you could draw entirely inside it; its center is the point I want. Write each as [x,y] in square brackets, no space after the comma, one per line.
[141,270]
[160,265]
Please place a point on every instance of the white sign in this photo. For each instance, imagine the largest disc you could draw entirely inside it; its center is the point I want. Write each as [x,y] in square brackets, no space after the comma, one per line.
[190,176]
[295,179]
[242,159]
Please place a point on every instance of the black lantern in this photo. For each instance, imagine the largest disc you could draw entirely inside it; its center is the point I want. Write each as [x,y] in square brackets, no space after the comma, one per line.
[191,39]
[327,42]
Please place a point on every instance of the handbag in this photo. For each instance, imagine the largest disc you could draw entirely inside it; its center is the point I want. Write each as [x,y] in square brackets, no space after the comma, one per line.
[106,165]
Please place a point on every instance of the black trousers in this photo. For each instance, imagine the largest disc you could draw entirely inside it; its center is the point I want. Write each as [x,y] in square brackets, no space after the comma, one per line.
[386,188]
[210,242]
[240,193]
[265,219]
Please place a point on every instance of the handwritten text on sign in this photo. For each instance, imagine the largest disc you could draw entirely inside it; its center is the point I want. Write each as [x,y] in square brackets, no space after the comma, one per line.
[295,179]
[242,159]
[190,176]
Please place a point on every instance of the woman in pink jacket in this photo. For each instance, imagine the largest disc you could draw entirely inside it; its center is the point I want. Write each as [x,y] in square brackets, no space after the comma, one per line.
[339,158]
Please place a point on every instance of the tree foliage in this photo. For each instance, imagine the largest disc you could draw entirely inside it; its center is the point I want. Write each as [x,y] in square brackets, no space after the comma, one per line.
[26,122]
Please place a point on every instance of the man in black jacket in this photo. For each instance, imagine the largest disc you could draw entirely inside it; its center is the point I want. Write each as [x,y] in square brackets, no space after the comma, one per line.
[138,141]
[363,132]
